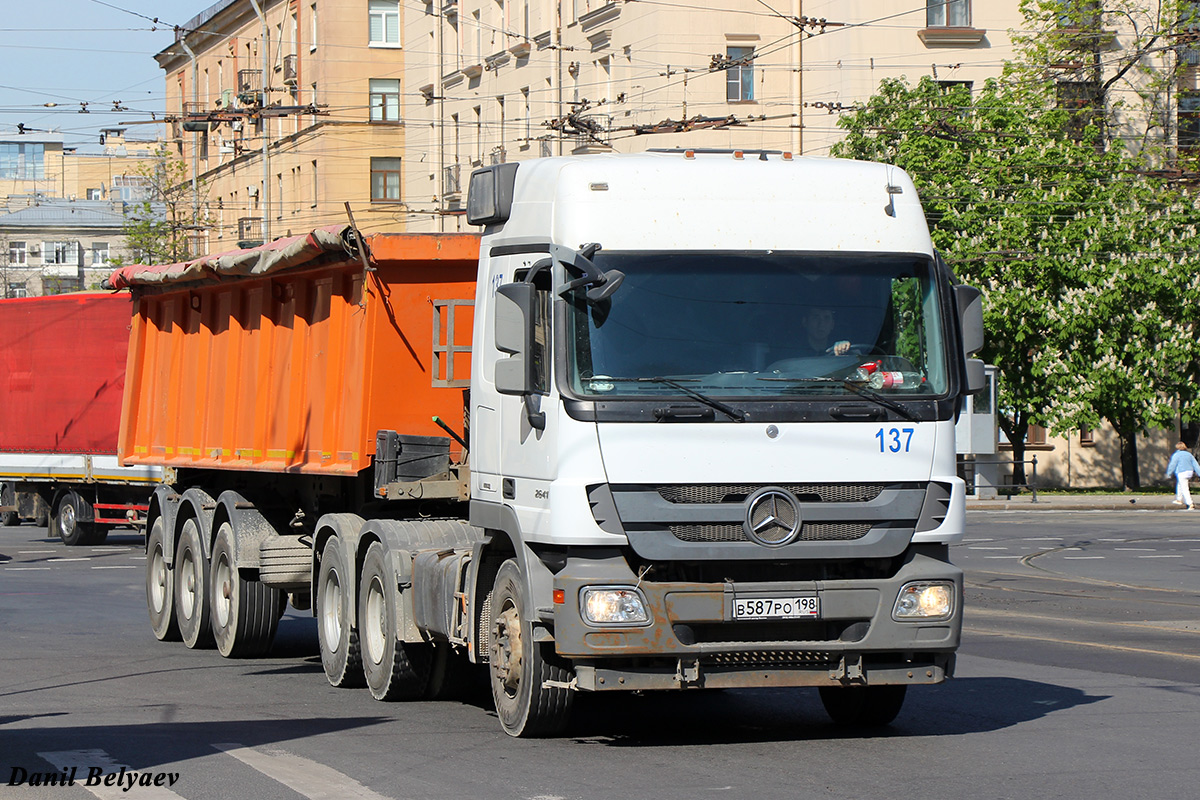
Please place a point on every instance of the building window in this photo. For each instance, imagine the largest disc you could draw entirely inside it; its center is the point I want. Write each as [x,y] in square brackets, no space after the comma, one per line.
[22,161]
[16,253]
[94,194]
[384,16]
[739,76]
[948,13]
[99,253]
[1036,435]
[385,180]
[65,253]
[1084,101]
[314,184]
[1087,437]
[132,188]
[312,19]
[385,100]
[1189,122]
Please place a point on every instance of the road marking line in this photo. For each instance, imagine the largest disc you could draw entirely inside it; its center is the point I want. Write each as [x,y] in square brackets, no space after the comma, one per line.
[987,548]
[1135,549]
[309,778]
[122,566]
[84,760]
[1173,556]
[24,569]
[1143,650]
[1044,539]
[979,540]
[42,552]
[1083,558]
[1004,556]
[56,560]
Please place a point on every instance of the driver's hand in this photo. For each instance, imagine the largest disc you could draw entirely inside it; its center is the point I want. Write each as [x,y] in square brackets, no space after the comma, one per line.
[840,348]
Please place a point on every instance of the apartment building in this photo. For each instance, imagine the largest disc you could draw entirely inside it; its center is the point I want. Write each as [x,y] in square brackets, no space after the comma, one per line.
[63,218]
[287,110]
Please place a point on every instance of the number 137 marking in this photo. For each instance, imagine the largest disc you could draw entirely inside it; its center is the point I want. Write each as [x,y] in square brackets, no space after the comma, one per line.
[895,439]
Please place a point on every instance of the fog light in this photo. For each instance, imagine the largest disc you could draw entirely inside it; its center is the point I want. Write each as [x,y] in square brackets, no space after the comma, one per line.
[924,601]
[613,606]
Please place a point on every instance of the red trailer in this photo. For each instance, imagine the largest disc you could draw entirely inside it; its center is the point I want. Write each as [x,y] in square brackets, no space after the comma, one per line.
[62,376]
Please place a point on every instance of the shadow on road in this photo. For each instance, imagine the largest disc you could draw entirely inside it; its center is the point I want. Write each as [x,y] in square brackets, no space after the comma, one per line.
[964,705]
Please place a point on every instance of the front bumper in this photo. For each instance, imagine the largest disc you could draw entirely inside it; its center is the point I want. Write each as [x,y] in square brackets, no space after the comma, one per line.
[692,640]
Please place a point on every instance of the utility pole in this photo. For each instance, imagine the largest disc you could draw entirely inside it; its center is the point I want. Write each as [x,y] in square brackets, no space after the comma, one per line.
[265,48]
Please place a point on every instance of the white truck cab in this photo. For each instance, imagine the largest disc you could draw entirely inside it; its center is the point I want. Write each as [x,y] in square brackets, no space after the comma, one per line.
[713,400]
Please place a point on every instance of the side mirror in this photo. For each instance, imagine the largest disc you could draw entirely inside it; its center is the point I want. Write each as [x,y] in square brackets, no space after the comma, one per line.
[514,336]
[970,317]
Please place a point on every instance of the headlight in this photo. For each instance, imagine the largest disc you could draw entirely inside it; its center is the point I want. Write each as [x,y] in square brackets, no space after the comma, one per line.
[613,606]
[924,602]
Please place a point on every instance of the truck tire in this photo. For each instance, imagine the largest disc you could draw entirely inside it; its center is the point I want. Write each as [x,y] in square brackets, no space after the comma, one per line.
[528,680]
[67,521]
[244,614]
[160,587]
[394,670]
[863,706]
[191,588]
[340,655]
[8,497]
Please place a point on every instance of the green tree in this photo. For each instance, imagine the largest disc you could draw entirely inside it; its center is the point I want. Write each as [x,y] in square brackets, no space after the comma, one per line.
[1061,229]
[161,229]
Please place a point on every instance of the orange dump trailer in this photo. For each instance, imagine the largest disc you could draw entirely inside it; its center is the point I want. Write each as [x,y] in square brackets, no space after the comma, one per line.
[294,368]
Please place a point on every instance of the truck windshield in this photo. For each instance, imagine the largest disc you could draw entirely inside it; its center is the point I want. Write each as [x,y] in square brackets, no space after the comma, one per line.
[760,325]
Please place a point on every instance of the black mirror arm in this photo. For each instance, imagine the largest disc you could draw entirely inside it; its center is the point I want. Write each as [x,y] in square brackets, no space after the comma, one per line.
[537,418]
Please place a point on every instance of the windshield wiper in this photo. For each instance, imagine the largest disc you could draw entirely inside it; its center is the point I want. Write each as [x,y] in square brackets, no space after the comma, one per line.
[861,391]
[737,415]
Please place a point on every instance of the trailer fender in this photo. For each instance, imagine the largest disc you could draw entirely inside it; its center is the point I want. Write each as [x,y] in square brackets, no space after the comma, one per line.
[199,505]
[428,558]
[346,529]
[165,503]
[250,528]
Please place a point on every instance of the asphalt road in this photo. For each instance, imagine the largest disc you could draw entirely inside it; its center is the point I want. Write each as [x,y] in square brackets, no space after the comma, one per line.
[1079,678]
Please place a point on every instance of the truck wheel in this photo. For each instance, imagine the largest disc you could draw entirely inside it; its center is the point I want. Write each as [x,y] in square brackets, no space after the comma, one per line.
[191,588]
[67,522]
[244,614]
[863,706]
[160,588]
[7,498]
[338,639]
[522,668]
[394,670]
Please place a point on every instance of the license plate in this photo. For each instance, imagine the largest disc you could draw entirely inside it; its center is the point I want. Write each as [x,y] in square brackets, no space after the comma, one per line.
[776,607]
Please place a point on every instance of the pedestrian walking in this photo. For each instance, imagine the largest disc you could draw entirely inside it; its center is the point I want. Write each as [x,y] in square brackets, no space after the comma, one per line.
[1183,466]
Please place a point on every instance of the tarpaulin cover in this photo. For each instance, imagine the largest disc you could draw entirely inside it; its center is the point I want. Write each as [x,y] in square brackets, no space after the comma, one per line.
[62,372]
[280,254]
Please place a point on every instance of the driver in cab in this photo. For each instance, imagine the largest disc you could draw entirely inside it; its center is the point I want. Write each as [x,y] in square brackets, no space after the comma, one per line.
[816,332]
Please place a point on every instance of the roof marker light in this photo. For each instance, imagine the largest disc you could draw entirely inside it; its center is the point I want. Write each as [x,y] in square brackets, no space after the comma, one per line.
[738,154]
[689,153]
[787,156]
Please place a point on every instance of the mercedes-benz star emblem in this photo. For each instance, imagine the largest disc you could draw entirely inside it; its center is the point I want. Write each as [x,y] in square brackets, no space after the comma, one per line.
[772,517]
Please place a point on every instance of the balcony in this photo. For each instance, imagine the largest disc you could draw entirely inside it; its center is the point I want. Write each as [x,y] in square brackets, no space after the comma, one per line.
[290,70]
[249,231]
[250,87]
[451,181]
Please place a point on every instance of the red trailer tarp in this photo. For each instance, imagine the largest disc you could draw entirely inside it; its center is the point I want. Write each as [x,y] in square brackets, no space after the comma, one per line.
[62,372]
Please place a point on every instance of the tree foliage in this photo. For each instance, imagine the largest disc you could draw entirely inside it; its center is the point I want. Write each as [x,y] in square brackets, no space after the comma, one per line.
[1084,250]
[161,228]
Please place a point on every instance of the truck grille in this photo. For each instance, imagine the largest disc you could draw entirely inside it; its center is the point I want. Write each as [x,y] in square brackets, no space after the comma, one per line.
[809,532]
[770,658]
[737,493]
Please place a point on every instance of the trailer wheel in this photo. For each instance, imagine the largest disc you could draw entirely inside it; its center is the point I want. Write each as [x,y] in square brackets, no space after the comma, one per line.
[340,655]
[244,614]
[863,706]
[394,670]
[67,522]
[160,587]
[8,498]
[191,588]
[528,679]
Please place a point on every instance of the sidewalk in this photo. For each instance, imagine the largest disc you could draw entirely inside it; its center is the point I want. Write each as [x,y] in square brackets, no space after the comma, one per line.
[1081,502]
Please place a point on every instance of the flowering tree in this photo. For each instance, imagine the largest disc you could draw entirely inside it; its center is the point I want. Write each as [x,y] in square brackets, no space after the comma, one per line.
[1090,288]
